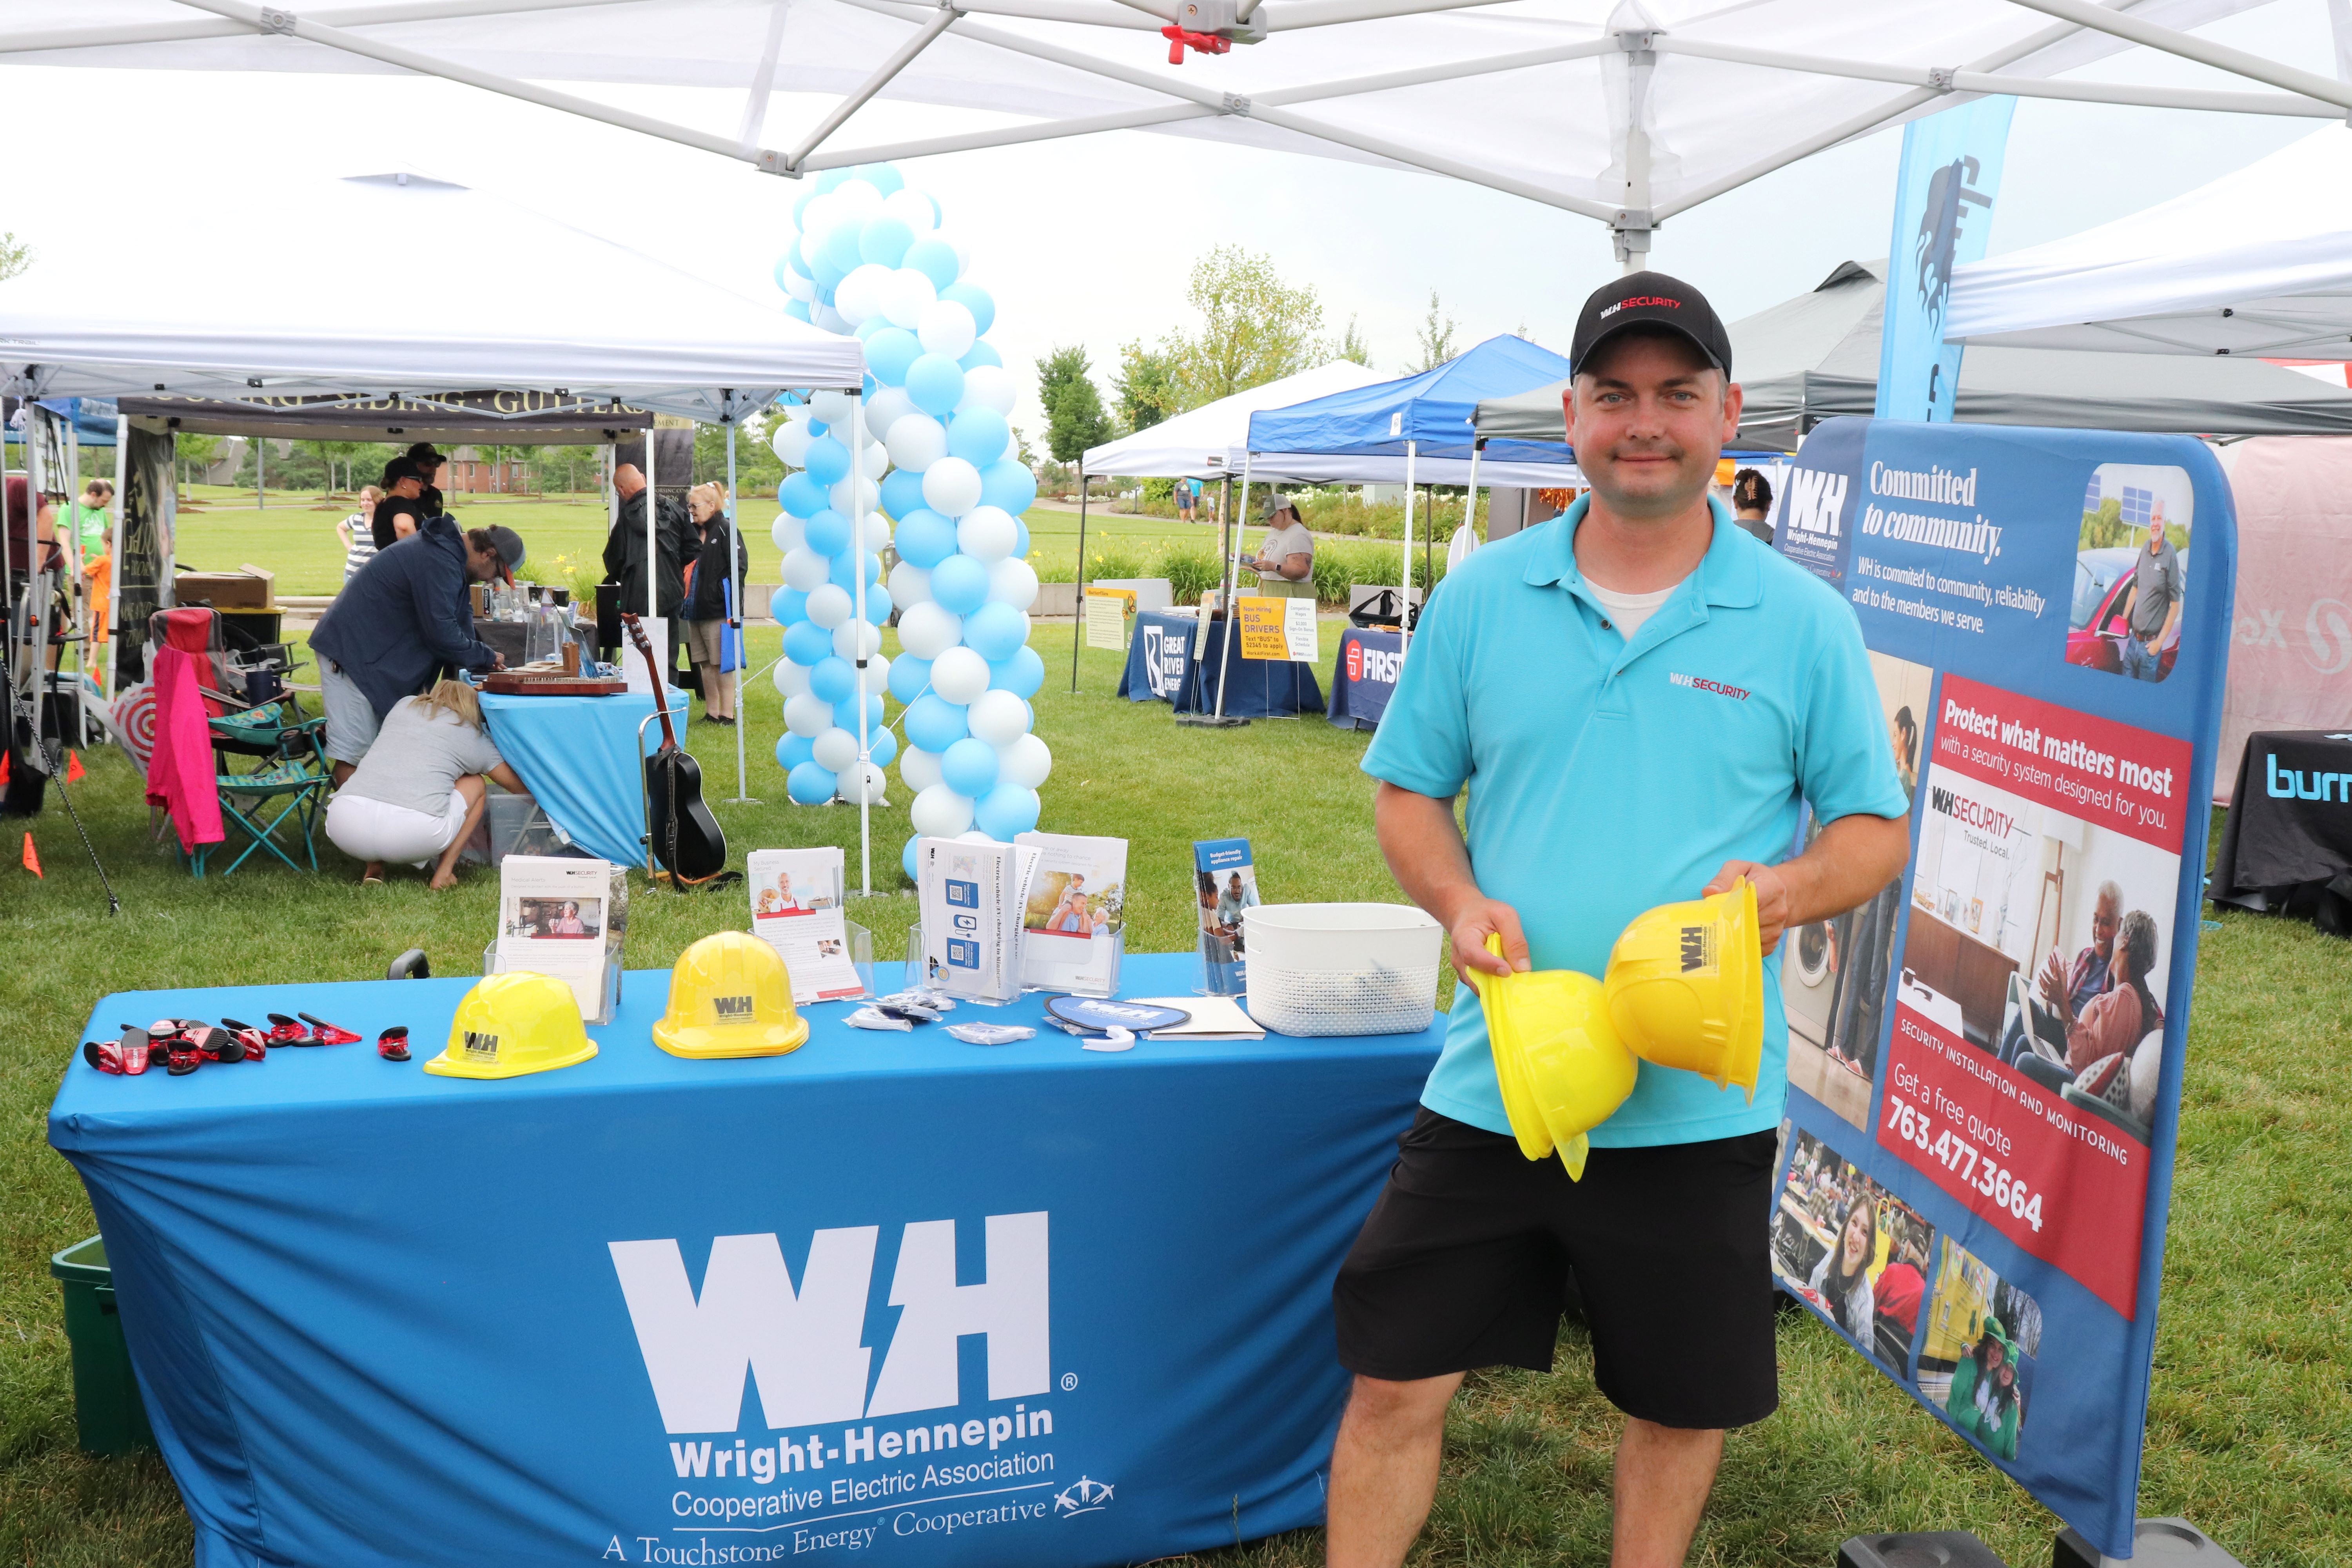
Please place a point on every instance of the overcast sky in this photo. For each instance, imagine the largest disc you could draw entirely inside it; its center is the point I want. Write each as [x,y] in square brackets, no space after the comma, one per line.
[1089,240]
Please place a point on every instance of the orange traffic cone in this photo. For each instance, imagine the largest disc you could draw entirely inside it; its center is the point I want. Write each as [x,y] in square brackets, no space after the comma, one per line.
[32,860]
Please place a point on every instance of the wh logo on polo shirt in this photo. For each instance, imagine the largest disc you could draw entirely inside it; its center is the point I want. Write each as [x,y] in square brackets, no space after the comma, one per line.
[1816,497]
[1374,663]
[1701,683]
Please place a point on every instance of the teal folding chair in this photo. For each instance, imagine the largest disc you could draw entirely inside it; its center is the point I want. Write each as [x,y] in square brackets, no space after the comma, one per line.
[280,803]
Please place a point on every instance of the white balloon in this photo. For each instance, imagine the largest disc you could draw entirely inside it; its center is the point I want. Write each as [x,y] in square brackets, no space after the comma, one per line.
[999,717]
[974,837]
[850,501]
[835,750]
[807,570]
[906,297]
[941,812]
[808,714]
[910,207]
[832,407]
[859,296]
[945,327]
[1013,582]
[960,674]
[928,631]
[826,318]
[917,441]
[1024,761]
[817,219]
[878,670]
[986,533]
[789,532]
[918,767]
[829,607]
[853,638]
[877,456]
[791,678]
[951,487]
[988,387]
[800,288]
[790,442]
[909,586]
[887,407]
[877,534]
[861,198]
[877,783]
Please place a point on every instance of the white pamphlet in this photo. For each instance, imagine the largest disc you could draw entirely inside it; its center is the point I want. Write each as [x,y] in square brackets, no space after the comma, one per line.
[1212,1018]
[1074,919]
[970,897]
[796,910]
[559,916]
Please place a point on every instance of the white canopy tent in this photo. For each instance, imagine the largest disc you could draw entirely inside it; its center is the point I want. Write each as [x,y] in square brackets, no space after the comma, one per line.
[1626,112]
[1203,443]
[2257,264]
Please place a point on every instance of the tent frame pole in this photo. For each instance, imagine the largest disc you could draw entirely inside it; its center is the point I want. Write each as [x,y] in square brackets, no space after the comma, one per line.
[1078,605]
[900,59]
[1405,609]
[1470,494]
[735,616]
[2237,62]
[1232,590]
[858,620]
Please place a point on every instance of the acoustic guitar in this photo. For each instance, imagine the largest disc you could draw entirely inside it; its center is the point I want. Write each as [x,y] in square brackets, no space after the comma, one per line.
[687,839]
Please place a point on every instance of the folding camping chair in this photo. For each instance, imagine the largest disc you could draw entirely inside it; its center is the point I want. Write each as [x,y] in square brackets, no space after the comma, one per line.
[285,792]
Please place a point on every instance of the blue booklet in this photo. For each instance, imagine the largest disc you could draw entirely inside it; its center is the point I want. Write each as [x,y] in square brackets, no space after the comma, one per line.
[1224,883]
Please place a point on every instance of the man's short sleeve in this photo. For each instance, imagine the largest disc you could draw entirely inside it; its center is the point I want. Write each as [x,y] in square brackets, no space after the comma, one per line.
[1845,763]
[1423,741]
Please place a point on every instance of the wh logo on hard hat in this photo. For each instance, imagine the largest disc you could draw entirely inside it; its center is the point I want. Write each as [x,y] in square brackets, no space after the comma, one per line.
[802,1344]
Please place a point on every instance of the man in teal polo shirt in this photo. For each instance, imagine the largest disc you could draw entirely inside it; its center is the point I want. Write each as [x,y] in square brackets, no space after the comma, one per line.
[1636,696]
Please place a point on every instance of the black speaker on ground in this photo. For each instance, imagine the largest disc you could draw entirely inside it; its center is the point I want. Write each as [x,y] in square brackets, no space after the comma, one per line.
[1920,1549]
[2155,1543]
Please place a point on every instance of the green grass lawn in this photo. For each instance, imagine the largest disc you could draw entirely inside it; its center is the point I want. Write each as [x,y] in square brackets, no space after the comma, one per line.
[2250,1430]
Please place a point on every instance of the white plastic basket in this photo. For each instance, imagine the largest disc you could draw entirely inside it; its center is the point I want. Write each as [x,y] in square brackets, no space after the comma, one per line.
[1342,969]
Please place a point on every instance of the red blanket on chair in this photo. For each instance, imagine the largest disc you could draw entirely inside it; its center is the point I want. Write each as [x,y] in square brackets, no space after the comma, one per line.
[180,776]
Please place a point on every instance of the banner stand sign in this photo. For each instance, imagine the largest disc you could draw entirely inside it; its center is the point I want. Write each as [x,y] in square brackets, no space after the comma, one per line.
[1985,1061]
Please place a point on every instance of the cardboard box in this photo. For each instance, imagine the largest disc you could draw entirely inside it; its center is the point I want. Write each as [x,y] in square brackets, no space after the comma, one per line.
[250,588]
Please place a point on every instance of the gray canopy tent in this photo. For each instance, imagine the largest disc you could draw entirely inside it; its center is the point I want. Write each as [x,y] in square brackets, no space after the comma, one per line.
[1816,356]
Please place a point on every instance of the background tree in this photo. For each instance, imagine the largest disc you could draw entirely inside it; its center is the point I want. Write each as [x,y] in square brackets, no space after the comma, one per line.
[1436,335]
[1074,408]
[1255,328]
[195,453]
[1351,345]
[1146,388]
[13,256]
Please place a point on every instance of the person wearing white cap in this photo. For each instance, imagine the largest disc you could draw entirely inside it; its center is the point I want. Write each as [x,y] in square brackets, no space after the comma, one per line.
[1285,562]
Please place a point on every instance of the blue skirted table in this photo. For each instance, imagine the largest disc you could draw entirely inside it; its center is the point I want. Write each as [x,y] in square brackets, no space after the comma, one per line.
[1161,668]
[1364,676]
[578,757]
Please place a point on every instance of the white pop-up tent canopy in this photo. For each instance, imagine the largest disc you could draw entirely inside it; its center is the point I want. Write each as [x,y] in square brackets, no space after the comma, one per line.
[1626,112]
[1198,443]
[2257,264]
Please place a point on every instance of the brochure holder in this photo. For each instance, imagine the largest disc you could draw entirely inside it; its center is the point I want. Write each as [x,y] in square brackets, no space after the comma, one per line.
[609,990]
[861,958]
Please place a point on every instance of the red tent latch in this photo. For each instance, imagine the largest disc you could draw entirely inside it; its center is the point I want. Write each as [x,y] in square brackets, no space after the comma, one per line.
[1179,38]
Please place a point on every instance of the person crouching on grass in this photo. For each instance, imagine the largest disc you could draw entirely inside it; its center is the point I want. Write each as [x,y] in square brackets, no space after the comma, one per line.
[420,791]
[1559,667]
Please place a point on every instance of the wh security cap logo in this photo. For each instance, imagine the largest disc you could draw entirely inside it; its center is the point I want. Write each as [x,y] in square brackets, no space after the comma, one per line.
[801,1344]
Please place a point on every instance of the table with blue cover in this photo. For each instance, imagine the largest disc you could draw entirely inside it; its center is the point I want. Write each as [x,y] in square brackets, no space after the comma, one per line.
[1023,1305]
[1160,667]
[578,756]
[1364,676]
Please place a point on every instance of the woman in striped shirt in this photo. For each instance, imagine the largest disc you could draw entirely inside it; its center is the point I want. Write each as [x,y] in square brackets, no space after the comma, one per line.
[357,533]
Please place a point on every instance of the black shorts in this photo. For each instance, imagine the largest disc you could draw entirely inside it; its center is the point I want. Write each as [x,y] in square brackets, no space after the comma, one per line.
[1465,1261]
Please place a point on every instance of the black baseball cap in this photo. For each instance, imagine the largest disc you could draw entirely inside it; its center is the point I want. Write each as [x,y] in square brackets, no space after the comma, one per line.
[1650,300]
[397,469]
[509,542]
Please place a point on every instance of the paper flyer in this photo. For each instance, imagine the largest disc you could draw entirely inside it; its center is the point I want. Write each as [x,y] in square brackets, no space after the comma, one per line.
[1282,629]
[560,917]
[795,897]
[970,901]
[1224,883]
[1074,919]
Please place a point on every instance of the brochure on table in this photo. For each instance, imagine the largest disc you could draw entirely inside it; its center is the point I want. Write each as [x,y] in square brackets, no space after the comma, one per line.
[970,899]
[568,918]
[1224,883]
[1074,914]
[796,910]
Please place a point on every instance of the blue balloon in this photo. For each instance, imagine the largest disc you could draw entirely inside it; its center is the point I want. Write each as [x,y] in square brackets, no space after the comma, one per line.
[870,386]
[934,724]
[979,435]
[884,239]
[902,492]
[833,678]
[786,606]
[877,603]
[802,495]
[839,250]
[844,570]
[1005,811]
[906,859]
[1021,674]
[828,532]
[969,767]
[935,259]
[1020,538]
[846,713]
[817,427]
[811,784]
[883,177]
[910,677]
[925,538]
[798,309]
[981,354]
[833,179]
[826,276]
[934,382]
[864,331]
[976,299]
[884,745]
[994,631]
[794,749]
[1007,484]
[961,584]
[890,351]
[805,642]
[827,462]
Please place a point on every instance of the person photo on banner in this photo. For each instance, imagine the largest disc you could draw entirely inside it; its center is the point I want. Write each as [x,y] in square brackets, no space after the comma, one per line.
[1841,1281]
[1983,1403]
[1645,694]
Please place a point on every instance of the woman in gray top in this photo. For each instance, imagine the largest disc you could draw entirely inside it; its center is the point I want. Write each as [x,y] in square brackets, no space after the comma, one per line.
[1285,562]
[418,792]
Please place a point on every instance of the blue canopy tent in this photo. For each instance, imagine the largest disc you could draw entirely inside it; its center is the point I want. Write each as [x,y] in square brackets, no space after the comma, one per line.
[92,419]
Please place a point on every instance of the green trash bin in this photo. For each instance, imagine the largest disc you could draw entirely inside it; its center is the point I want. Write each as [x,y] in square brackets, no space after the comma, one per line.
[112,1418]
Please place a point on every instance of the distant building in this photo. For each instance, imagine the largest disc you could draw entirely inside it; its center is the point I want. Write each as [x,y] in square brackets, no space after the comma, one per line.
[471,473]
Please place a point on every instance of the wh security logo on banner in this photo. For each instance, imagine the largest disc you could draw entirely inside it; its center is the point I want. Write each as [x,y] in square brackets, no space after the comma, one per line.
[1943,218]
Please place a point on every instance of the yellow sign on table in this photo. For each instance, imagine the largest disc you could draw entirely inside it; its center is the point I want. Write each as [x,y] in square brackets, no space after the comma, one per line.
[1107,612]
[1279,629]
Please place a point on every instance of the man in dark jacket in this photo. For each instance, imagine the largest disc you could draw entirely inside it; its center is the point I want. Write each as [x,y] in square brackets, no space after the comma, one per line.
[624,547]
[394,627]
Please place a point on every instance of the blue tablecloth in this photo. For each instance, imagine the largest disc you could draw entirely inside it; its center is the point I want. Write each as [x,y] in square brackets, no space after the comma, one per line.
[383,1317]
[1364,677]
[1160,667]
[579,756]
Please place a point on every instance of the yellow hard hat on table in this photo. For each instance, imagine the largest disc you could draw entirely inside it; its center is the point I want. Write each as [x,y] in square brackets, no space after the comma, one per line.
[1558,1058]
[731,995]
[514,1024]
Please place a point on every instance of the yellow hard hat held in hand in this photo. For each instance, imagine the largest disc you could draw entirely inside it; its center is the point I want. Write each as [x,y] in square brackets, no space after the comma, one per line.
[730,996]
[1685,986]
[514,1024]
[1562,1068]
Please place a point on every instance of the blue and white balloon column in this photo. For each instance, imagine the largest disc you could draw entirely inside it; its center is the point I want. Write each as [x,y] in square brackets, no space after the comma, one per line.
[870,259]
